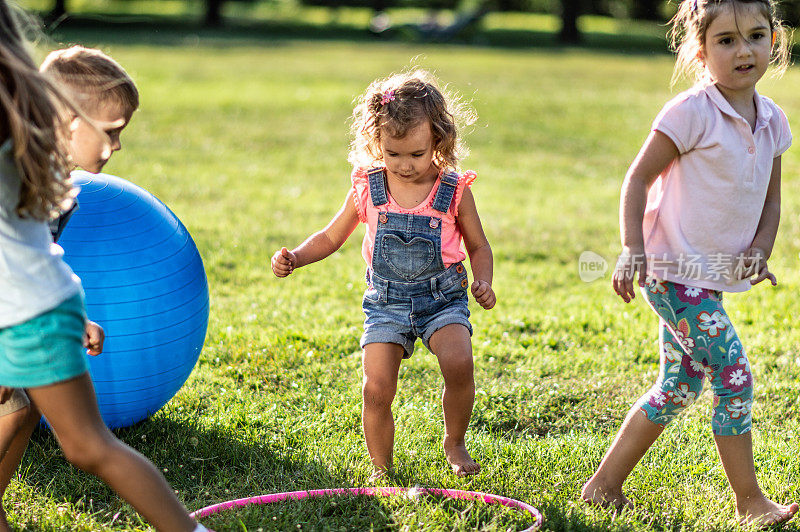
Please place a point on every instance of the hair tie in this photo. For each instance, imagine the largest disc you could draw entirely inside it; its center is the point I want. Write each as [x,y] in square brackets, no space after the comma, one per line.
[388,96]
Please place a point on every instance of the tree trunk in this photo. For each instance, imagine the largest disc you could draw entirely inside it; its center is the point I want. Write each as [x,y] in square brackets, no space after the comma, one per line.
[59,10]
[790,13]
[597,7]
[214,12]
[646,10]
[570,11]
[379,6]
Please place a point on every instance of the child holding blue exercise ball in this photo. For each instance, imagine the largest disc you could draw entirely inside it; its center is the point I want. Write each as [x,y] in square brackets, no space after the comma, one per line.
[417,209]
[699,213]
[43,327]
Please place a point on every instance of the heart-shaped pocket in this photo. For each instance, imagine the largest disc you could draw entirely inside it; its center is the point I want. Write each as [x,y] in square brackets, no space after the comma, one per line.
[407,259]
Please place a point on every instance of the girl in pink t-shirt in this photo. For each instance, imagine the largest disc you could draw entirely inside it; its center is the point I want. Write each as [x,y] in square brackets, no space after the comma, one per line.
[699,215]
[417,209]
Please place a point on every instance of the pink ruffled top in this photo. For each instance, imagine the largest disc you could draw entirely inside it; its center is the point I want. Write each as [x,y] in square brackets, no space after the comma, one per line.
[452,250]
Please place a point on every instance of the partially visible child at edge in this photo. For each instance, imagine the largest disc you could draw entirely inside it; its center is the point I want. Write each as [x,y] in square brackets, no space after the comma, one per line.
[107,95]
[699,214]
[417,209]
[43,327]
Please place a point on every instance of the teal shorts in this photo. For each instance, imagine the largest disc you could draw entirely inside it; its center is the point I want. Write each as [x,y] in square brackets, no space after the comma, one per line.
[45,349]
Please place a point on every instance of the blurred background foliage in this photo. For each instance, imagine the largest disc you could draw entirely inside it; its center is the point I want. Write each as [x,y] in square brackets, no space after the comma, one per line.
[464,12]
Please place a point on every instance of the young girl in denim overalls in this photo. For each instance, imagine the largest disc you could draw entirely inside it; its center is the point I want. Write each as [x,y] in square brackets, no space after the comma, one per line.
[699,215]
[417,210]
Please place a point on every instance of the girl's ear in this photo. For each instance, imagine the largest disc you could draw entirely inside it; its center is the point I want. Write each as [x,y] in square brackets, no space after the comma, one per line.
[774,37]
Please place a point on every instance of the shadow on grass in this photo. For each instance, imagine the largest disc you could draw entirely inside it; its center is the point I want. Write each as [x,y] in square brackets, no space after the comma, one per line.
[181,31]
[205,466]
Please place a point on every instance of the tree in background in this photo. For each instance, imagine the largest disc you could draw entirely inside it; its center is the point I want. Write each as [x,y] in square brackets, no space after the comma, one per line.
[790,12]
[646,9]
[213,13]
[570,11]
[59,9]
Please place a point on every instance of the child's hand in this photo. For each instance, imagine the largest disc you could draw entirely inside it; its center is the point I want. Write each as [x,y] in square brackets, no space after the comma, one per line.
[483,294]
[283,262]
[754,262]
[93,338]
[764,273]
[629,263]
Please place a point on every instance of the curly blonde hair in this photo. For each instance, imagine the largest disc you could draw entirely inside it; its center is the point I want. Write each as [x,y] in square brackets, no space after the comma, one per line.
[399,103]
[33,116]
[687,35]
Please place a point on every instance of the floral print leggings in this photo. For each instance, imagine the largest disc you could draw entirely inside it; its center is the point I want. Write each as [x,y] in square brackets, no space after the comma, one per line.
[697,341]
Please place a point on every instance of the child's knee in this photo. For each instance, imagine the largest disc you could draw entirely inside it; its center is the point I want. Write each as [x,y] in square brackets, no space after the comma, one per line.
[458,372]
[663,403]
[89,453]
[378,391]
[17,419]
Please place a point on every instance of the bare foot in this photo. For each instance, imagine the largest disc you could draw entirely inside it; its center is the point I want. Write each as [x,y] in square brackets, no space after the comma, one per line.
[761,511]
[594,492]
[379,474]
[459,459]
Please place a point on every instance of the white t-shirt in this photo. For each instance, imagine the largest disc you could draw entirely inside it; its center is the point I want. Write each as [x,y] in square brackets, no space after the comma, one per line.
[703,210]
[33,277]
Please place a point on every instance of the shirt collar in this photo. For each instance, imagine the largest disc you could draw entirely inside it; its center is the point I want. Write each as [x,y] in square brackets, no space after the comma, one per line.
[763,111]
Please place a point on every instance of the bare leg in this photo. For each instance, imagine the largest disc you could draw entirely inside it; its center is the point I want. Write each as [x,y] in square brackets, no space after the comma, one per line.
[71,409]
[736,453]
[452,346]
[381,365]
[633,440]
[15,432]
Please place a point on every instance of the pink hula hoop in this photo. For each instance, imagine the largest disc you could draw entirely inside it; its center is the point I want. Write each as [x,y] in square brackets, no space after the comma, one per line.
[381,492]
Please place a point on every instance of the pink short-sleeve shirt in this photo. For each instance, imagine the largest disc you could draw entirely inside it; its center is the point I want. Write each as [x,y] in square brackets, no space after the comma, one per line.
[703,210]
[452,251]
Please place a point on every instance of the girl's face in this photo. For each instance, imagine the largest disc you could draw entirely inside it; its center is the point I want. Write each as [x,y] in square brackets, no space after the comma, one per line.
[737,47]
[409,158]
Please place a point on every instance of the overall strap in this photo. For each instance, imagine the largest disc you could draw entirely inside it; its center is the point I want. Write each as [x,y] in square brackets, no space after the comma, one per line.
[377,187]
[447,189]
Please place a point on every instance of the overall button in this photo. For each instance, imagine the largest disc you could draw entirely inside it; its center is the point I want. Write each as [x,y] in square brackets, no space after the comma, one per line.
[751,150]
[460,268]
[434,223]
[464,283]
[383,218]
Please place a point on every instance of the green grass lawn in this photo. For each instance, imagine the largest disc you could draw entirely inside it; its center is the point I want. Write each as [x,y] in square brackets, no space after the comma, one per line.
[247,144]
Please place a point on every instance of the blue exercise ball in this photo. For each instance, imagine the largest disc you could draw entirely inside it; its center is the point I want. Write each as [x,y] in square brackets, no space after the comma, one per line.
[145,285]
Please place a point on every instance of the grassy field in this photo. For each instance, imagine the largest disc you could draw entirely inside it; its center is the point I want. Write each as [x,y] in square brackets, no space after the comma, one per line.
[246,142]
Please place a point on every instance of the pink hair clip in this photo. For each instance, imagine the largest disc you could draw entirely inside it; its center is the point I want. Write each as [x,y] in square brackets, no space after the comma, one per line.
[388,96]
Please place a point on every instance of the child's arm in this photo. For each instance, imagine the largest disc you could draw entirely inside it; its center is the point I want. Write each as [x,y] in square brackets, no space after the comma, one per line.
[656,153]
[479,250]
[755,258]
[321,244]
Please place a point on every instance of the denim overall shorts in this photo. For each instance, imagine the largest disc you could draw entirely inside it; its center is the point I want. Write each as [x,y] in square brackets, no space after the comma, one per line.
[410,294]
